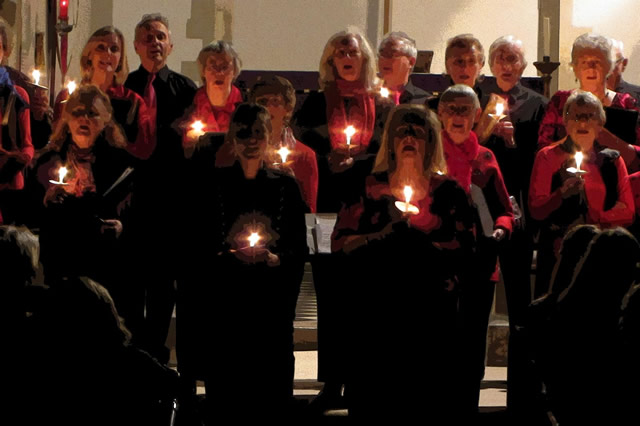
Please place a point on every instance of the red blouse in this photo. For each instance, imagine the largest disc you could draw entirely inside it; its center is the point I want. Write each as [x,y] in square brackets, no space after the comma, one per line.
[552,125]
[144,144]
[215,119]
[542,201]
[25,144]
[305,169]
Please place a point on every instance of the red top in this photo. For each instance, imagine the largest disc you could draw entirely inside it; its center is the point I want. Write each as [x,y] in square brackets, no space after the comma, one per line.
[552,125]
[144,144]
[24,145]
[215,119]
[471,162]
[634,183]
[305,169]
[542,201]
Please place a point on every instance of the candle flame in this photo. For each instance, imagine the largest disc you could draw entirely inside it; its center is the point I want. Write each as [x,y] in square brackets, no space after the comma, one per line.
[197,126]
[499,108]
[284,153]
[71,86]
[579,157]
[62,172]
[408,193]
[36,76]
[253,239]
[384,92]
[349,131]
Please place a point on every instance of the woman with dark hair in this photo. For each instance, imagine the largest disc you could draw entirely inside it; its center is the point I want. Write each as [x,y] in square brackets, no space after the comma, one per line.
[285,152]
[79,175]
[253,221]
[410,219]
[103,63]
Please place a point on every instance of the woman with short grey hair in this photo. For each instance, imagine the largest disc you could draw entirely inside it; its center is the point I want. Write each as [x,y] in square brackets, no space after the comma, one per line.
[592,61]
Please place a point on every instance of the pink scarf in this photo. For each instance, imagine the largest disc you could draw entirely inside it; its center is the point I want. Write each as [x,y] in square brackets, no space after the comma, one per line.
[460,157]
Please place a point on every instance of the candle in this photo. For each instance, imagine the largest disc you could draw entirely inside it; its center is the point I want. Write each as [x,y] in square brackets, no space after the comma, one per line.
[408,192]
[384,92]
[62,173]
[406,206]
[64,9]
[284,153]
[546,33]
[36,76]
[499,109]
[579,157]
[71,86]
[349,131]
[253,239]
[197,130]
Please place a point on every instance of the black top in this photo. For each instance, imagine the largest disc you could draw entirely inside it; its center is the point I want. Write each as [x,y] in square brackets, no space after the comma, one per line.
[174,94]
[412,94]
[310,124]
[526,109]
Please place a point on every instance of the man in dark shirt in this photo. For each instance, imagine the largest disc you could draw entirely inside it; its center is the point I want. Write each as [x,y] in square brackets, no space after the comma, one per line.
[514,143]
[154,203]
[397,55]
[615,81]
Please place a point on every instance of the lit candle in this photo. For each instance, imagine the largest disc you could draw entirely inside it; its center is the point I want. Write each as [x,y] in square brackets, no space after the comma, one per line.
[64,9]
[349,131]
[71,86]
[62,173]
[499,109]
[408,192]
[36,76]
[197,130]
[384,92]
[284,153]
[253,239]
[579,157]
[406,206]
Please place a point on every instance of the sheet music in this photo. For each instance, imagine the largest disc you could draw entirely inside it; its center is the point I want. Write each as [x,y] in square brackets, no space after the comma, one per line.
[319,229]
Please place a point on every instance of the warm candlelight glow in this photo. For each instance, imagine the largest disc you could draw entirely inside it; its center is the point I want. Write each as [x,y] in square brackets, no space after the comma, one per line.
[62,172]
[579,157]
[384,92]
[36,76]
[71,86]
[253,239]
[499,109]
[197,126]
[349,131]
[408,193]
[284,153]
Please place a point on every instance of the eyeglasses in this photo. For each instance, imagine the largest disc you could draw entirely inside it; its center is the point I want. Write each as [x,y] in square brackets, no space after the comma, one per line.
[513,60]
[590,64]
[461,110]
[222,68]
[343,53]
[270,101]
[587,117]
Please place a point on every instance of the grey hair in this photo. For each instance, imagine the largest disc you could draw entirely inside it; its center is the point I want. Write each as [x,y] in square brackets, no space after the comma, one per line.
[584,98]
[507,41]
[369,67]
[147,19]
[596,42]
[618,47]
[459,91]
[219,46]
[407,45]
[464,41]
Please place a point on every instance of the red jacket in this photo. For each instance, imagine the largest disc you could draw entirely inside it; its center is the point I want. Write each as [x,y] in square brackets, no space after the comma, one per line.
[23,144]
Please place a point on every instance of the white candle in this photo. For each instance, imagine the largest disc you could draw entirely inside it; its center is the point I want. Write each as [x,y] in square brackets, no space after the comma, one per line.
[546,34]
[36,76]
[579,157]
[499,109]
[62,172]
[408,192]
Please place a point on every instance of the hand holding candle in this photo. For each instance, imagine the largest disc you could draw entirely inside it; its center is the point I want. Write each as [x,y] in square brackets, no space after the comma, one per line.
[283,152]
[196,129]
[384,92]
[253,239]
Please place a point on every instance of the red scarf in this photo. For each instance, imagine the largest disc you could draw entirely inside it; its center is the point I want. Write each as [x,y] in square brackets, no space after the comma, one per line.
[460,158]
[361,113]
[223,114]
